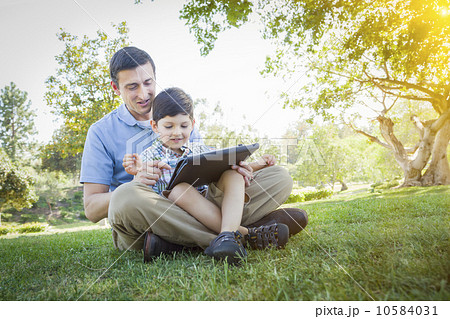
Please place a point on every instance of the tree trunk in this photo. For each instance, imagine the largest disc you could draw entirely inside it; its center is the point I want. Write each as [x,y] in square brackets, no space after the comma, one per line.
[344,186]
[433,143]
[434,140]
[414,168]
[438,173]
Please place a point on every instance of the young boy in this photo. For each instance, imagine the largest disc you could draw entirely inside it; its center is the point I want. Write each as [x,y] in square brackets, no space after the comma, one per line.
[173,120]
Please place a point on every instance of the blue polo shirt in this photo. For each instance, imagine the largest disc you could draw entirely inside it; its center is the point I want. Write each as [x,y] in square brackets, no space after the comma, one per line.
[108,140]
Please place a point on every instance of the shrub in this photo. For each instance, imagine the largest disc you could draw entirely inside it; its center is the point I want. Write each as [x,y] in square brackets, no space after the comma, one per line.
[383,185]
[24,228]
[31,228]
[295,198]
[26,218]
[311,195]
[318,194]
[6,217]
[78,195]
[4,230]
[16,185]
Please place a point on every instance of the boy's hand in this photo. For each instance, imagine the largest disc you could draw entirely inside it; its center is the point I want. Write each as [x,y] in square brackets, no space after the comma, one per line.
[267,160]
[245,170]
[132,163]
[264,161]
[151,172]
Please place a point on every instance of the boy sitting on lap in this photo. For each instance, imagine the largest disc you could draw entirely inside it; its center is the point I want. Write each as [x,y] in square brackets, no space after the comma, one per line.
[173,120]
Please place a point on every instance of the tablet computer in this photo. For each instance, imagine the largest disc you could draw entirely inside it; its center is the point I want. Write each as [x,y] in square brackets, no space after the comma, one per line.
[204,168]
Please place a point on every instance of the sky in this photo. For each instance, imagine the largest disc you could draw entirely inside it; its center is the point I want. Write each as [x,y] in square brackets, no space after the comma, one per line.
[230,74]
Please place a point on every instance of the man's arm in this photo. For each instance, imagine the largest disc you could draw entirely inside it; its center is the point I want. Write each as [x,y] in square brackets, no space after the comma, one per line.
[96,201]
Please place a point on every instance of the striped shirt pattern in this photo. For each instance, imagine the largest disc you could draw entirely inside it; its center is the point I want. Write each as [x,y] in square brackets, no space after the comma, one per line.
[158,152]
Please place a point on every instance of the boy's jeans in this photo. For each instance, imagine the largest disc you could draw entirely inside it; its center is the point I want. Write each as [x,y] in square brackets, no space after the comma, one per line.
[135,208]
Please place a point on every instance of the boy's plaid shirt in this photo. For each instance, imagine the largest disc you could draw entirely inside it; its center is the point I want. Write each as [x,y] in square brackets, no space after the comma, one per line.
[158,152]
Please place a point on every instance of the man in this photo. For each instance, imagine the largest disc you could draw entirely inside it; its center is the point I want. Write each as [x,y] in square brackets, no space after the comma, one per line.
[132,208]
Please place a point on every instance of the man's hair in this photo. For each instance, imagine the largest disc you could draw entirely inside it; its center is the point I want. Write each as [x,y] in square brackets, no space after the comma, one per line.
[126,59]
[172,102]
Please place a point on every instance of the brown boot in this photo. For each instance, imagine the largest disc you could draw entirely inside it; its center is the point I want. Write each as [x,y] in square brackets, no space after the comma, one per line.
[296,219]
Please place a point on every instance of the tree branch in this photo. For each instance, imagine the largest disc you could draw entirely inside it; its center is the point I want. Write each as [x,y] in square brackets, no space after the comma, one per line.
[418,124]
[413,149]
[410,86]
[370,137]
[439,123]
[393,103]
[386,70]
[411,97]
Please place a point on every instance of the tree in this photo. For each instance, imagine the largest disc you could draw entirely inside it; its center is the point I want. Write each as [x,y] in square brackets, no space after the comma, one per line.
[16,119]
[326,154]
[55,158]
[80,91]
[366,54]
[16,186]
[210,122]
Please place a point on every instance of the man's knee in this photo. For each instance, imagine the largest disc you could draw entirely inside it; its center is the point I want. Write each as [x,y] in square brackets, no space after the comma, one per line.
[280,177]
[122,199]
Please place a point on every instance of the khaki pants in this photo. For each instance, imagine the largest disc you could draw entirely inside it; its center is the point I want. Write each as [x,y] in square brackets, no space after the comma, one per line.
[135,208]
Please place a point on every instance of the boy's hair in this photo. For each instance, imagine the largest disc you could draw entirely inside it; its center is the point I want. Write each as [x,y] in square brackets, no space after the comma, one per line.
[171,102]
[128,58]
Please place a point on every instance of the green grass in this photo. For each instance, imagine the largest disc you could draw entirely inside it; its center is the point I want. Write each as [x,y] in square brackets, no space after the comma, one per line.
[392,245]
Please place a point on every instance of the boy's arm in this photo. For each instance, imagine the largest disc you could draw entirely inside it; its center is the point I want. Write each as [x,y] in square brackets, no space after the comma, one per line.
[145,168]
[132,163]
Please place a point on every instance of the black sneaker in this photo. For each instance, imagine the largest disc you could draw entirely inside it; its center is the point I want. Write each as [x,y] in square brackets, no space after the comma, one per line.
[155,246]
[296,219]
[270,236]
[227,246]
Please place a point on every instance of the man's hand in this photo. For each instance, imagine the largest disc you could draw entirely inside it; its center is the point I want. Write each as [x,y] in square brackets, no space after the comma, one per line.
[150,172]
[245,170]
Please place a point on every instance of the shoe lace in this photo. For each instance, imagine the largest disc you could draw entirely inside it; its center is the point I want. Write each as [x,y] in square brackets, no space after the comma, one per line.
[263,236]
[230,236]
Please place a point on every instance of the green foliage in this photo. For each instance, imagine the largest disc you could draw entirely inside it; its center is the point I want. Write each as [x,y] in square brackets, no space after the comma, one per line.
[80,91]
[379,186]
[55,158]
[325,154]
[31,228]
[407,37]
[50,186]
[210,124]
[394,245]
[318,194]
[361,57]
[16,185]
[207,18]
[309,195]
[295,198]
[16,120]
[4,230]
[23,229]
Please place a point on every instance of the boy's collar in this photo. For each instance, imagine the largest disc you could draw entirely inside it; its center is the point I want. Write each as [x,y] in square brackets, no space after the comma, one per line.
[185,149]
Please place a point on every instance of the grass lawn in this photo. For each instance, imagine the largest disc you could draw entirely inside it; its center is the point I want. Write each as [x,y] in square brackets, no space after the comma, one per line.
[392,245]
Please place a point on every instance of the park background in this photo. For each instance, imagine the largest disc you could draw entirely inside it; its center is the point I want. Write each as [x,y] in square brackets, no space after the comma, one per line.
[352,109]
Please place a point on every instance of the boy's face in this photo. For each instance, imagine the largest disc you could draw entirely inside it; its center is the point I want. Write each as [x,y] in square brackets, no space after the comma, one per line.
[137,89]
[175,130]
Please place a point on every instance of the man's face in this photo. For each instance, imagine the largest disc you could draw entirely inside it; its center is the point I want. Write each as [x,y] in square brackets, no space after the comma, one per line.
[137,89]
